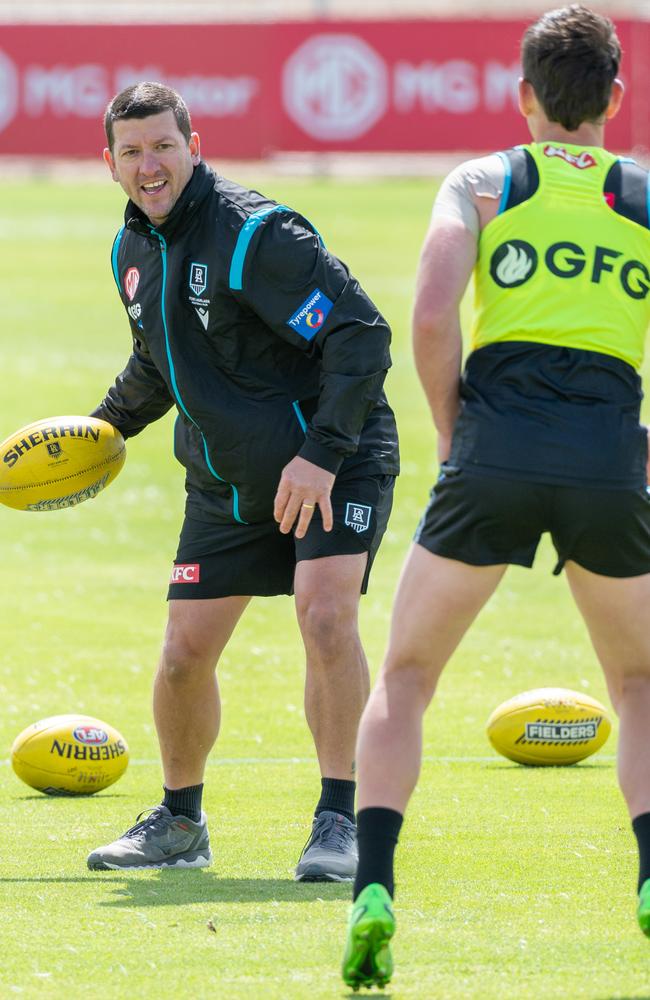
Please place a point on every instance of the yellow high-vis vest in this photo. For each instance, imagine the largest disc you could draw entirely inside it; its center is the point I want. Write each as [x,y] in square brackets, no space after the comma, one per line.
[562,267]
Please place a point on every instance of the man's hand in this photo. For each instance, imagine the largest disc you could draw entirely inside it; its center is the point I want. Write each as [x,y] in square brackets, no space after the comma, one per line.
[302,486]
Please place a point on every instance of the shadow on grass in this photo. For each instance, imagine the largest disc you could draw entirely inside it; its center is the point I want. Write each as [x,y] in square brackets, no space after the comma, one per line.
[572,768]
[180,888]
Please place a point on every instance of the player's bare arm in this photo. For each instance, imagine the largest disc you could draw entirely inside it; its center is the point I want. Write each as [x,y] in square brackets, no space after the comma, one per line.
[446,264]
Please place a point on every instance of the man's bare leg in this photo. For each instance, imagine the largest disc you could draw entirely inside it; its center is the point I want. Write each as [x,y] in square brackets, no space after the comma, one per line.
[186,703]
[336,689]
[616,614]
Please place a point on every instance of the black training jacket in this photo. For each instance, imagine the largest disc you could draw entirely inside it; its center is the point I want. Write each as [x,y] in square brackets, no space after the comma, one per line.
[260,337]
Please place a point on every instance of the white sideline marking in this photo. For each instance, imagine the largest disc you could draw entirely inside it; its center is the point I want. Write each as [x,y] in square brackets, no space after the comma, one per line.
[238,761]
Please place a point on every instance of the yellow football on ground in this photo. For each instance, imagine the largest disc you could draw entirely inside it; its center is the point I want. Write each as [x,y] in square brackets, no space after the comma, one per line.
[549,726]
[59,462]
[69,755]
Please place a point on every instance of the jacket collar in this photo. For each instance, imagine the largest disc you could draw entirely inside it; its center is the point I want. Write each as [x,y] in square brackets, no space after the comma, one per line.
[195,192]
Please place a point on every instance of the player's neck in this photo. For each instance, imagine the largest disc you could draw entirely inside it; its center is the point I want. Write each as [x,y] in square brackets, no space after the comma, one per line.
[587,134]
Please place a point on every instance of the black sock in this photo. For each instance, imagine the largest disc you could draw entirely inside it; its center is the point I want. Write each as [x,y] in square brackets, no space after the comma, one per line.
[377,833]
[641,827]
[337,795]
[184,801]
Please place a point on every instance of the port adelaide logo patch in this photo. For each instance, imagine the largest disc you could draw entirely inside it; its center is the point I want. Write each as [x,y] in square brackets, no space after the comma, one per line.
[513,263]
[198,283]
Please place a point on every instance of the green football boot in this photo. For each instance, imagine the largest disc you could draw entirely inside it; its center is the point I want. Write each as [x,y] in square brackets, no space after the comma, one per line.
[643,912]
[367,960]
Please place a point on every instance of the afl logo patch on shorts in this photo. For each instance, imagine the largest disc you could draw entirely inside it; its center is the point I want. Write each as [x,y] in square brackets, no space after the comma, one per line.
[186,573]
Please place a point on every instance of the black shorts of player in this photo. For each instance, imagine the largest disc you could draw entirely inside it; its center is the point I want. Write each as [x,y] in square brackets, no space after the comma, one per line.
[223,560]
[487,521]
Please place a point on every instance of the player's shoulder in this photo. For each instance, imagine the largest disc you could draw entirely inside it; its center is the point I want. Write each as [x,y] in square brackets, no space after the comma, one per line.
[627,190]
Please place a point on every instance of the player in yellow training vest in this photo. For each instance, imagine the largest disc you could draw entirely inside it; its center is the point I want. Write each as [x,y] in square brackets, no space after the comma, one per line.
[541,433]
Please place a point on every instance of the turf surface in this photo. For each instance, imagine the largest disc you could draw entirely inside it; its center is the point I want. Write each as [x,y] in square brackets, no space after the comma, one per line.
[511,882]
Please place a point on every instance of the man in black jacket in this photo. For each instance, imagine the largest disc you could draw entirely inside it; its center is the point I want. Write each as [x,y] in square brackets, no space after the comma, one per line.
[275,360]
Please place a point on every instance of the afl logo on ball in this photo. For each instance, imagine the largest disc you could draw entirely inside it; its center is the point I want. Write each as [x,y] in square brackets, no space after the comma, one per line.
[513,263]
[90,735]
[131,282]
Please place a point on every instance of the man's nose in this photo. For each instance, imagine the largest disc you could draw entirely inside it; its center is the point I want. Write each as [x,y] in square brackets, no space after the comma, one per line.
[150,163]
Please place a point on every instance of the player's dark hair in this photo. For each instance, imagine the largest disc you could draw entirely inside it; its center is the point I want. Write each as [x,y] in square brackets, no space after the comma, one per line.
[570,56]
[142,100]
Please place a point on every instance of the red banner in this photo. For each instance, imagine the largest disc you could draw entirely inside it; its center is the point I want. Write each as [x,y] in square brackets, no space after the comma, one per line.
[421,86]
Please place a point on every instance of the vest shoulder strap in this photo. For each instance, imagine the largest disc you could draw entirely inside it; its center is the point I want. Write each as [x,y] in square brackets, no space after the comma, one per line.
[627,190]
[521,180]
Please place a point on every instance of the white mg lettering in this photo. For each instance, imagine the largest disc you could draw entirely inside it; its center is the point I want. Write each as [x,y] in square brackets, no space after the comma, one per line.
[66,90]
[450,86]
[214,96]
[500,86]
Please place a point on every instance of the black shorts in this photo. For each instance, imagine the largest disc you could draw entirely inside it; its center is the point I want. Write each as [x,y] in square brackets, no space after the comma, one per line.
[486,521]
[216,559]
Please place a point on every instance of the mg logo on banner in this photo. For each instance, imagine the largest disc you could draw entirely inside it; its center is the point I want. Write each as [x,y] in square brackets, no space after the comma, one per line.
[335,87]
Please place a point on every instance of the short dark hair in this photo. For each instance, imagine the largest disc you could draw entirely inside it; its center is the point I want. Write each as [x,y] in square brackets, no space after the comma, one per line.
[142,100]
[571,56]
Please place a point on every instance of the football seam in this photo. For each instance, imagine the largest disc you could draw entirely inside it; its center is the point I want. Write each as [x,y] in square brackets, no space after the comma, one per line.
[62,479]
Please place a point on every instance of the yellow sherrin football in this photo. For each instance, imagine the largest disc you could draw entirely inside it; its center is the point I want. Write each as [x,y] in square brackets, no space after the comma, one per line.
[59,462]
[69,755]
[549,726]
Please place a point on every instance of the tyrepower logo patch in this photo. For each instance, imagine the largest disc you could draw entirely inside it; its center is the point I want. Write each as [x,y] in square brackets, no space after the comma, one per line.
[581,161]
[131,282]
[310,316]
[186,573]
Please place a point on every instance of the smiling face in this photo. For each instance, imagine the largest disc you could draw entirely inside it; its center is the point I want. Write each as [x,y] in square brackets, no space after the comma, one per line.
[152,162]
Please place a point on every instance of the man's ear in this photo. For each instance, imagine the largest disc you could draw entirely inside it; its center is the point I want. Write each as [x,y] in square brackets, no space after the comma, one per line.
[527,98]
[615,99]
[195,148]
[110,162]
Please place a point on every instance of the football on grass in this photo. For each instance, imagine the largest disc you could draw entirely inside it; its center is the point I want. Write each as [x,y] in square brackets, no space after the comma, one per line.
[549,726]
[59,462]
[69,755]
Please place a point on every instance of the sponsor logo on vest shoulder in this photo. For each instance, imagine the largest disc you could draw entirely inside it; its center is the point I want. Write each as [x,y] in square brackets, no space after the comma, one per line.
[131,282]
[513,263]
[357,516]
[582,161]
[188,573]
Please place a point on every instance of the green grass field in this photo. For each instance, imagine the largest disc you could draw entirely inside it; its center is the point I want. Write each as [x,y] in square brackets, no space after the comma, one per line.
[512,882]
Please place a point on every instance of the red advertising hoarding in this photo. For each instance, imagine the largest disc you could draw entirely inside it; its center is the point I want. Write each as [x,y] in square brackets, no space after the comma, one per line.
[254,89]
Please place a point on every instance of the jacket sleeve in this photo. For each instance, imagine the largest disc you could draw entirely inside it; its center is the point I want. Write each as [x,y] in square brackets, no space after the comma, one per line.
[138,397]
[309,298]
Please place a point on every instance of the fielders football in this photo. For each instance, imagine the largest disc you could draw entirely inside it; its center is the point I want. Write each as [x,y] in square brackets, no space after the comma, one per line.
[517,866]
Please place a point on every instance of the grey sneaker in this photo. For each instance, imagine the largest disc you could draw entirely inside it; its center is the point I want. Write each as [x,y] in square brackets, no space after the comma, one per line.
[160,840]
[330,854]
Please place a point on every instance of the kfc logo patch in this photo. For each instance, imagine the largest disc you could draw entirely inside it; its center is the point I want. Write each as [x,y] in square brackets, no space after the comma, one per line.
[187,573]
[131,282]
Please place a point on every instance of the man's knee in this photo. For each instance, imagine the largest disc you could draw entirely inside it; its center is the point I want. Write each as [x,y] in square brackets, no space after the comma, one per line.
[183,661]
[327,623]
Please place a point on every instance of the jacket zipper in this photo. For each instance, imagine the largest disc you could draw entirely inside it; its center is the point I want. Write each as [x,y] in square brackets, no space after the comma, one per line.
[172,373]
